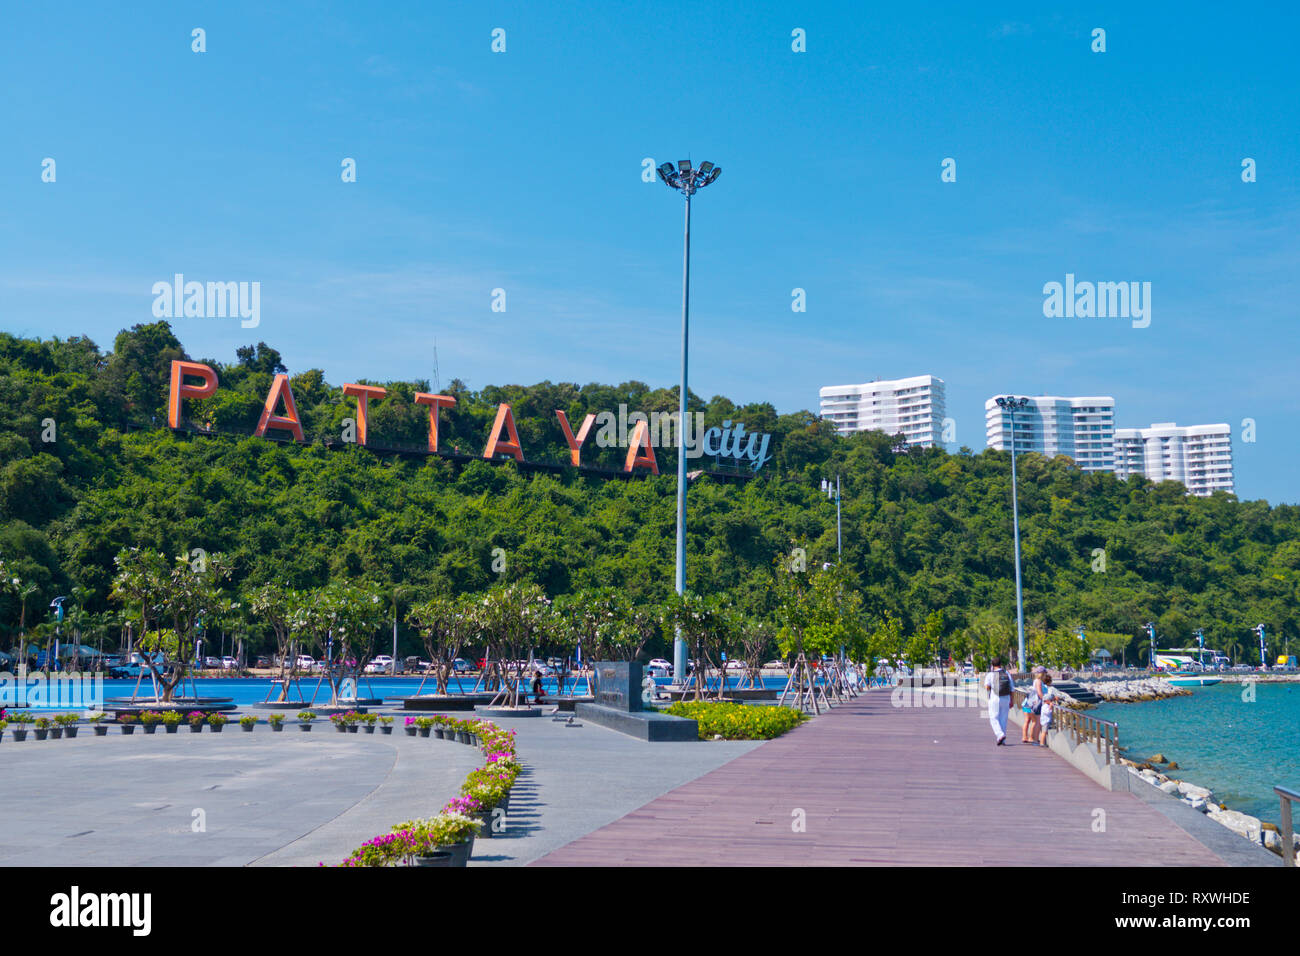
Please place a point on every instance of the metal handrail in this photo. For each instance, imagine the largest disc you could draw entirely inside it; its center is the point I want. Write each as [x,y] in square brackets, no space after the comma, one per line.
[1103,734]
[1285,796]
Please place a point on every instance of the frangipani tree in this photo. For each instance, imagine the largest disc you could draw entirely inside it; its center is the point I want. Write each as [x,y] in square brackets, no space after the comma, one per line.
[700,622]
[516,618]
[278,607]
[342,620]
[445,625]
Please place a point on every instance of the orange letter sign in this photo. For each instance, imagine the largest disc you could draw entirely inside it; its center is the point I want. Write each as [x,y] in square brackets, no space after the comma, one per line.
[363,393]
[575,445]
[434,402]
[495,445]
[180,391]
[641,439]
[289,420]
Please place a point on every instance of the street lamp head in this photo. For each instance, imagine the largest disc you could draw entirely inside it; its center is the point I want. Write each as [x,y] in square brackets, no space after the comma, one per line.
[686,179]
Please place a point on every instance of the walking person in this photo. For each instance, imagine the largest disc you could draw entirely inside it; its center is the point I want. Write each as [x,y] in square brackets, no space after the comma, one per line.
[1032,705]
[998,683]
[1048,707]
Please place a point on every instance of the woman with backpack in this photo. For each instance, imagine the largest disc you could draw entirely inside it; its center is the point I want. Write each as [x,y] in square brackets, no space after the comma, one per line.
[1047,708]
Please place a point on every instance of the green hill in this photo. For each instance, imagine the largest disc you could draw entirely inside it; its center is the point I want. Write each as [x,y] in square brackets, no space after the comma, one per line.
[924,530]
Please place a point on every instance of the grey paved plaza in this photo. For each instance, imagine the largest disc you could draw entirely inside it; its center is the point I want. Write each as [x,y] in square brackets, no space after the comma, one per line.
[296,799]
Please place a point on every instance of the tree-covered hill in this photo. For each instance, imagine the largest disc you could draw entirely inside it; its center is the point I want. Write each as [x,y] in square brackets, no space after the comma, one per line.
[87,467]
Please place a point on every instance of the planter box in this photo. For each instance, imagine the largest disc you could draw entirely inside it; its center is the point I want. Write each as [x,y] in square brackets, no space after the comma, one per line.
[246,728]
[171,728]
[462,736]
[20,734]
[341,728]
[71,731]
[386,729]
[304,727]
[438,732]
[277,728]
[410,731]
[424,731]
[150,728]
[196,728]
[370,728]
[352,728]
[101,730]
[56,733]
[216,728]
[128,728]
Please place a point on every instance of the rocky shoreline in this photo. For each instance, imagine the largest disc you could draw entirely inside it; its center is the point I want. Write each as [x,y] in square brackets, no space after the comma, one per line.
[1131,691]
[1244,825]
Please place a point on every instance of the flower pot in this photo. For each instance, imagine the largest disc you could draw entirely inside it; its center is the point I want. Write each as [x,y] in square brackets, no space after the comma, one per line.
[20,734]
[304,727]
[196,728]
[386,729]
[370,728]
[484,817]
[437,858]
[341,728]
[437,732]
[72,731]
[462,736]
[128,728]
[150,728]
[410,731]
[216,728]
[460,852]
[56,733]
[101,730]
[246,728]
[171,728]
[505,803]
[277,728]
[352,728]
[424,731]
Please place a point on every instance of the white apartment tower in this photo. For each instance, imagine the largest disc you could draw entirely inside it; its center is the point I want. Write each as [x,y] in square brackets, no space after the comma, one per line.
[913,407]
[1200,456]
[1082,428]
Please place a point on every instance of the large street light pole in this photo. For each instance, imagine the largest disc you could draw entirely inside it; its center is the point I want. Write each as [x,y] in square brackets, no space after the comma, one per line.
[1011,405]
[682,177]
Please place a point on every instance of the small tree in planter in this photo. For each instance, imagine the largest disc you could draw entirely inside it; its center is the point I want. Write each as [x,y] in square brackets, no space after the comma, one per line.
[385,724]
[340,722]
[97,724]
[247,723]
[149,721]
[368,721]
[171,720]
[305,717]
[127,723]
[68,724]
[20,722]
[195,719]
[277,722]
[424,725]
[216,721]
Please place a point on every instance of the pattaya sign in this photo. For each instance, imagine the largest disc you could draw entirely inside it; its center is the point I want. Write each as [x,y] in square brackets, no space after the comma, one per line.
[281,413]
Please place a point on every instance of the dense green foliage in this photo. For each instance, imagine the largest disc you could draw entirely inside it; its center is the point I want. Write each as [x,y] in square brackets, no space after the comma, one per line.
[737,721]
[86,470]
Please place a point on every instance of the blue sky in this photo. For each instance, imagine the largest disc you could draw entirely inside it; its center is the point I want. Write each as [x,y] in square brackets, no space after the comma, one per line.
[522,170]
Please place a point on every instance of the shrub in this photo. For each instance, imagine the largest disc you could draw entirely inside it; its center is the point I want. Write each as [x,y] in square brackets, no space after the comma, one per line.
[275,719]
[151,717]
[171,718]
[306,716]
[248,720]
[737,721]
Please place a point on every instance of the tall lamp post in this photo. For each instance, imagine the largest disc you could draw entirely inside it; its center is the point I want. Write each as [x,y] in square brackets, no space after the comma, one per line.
[686,180]
[1151,650]
[1010,404]
[1259,629]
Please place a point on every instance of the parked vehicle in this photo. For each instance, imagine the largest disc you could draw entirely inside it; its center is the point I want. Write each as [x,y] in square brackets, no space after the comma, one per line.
[380,665]
[461,666]
[305,662]
[263,661]
[229,663]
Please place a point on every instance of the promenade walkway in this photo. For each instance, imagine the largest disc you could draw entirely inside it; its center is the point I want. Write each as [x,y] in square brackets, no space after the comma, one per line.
[880,785]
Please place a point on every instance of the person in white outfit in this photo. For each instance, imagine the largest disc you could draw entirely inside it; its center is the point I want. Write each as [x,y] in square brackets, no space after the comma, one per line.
[998,683]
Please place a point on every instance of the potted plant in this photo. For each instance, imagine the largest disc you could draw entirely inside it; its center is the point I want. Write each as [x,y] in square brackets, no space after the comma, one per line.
[385,724]
[352,720]
[410,726]
[305,717]
[56,727]
[3,725]
[68,724]
[455,833]
[127,723]
[247,723]
[149,721]
[97,724]
[20,722]
[340,722]
[424,725]
[216,721]
[470,807]
[171,720]
[439,727]
[368,721]
[195,718]
[277,722]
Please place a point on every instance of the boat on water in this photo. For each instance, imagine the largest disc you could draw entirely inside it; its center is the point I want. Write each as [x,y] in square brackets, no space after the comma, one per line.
[1182,671]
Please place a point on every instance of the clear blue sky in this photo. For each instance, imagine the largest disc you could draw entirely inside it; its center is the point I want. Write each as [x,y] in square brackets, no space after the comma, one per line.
[522,171]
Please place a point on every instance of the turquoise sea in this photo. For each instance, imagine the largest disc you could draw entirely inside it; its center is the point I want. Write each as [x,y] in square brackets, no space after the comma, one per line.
[1239,749]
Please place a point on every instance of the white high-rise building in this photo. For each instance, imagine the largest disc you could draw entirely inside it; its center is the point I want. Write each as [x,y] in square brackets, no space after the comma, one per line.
[913,407]
[1200,456]
[1081,427]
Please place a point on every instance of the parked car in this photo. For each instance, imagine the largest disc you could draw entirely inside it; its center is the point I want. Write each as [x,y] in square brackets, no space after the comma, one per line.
[229,663]
[461,666]
[380,665]
[305,662]
[735,665]
[263,661]
[660,662]
[555,663]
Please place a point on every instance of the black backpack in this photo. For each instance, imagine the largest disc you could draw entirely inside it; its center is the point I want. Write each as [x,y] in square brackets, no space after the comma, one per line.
[1004,684]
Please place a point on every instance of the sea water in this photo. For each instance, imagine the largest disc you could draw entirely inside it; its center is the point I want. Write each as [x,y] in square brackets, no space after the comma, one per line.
[1220,738]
